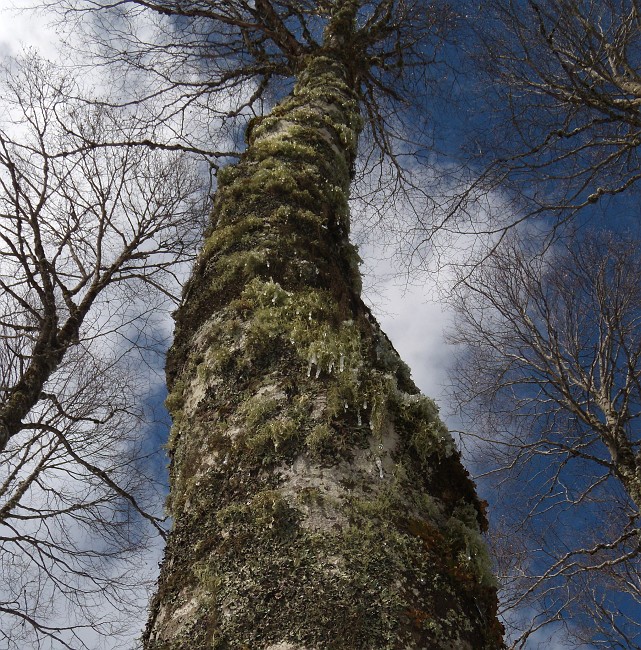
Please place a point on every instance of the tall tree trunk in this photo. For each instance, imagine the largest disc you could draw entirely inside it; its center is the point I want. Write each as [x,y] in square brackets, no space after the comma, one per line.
[318,500]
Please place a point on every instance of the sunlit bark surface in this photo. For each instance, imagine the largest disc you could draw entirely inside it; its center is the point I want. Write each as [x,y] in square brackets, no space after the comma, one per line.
[318,500]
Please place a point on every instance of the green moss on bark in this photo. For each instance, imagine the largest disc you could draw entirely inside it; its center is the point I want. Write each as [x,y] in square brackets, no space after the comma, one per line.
[317,499]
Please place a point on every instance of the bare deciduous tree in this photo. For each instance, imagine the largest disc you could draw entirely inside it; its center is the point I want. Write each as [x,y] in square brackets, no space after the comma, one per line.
[549,375]
[91,239]
[569,89]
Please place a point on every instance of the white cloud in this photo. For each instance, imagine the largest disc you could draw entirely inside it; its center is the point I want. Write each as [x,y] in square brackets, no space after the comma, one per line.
[412,317]
[22,26]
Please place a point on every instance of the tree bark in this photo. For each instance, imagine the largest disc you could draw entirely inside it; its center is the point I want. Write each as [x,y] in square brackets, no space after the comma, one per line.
[318,501]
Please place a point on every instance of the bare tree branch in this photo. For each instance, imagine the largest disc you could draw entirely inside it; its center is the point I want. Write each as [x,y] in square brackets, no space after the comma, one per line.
[548,371]
[94,241]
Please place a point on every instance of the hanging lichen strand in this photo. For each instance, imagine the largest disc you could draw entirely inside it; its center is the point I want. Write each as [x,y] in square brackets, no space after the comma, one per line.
[318,500]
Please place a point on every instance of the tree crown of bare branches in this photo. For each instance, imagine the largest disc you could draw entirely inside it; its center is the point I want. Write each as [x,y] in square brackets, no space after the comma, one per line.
[549,373]
[207,67]
[91,240]
[567,78]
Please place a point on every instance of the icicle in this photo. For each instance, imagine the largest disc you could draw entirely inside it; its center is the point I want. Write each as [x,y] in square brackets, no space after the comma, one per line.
[318,371]
[365,405]
[330,367]
[341,363]
[379,464]
[346,406]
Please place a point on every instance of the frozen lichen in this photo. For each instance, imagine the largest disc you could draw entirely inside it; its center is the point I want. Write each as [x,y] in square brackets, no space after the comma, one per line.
[464,534]
[319,439]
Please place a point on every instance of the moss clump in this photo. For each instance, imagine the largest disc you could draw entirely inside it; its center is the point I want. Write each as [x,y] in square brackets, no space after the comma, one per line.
[275,435]
[232,235]
[464,535]
[305,320]
[430,438]
[209,580]
[319,440]
[176,398]
[256,410]
[267,511]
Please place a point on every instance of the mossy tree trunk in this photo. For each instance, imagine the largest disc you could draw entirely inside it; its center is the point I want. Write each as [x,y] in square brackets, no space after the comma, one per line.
[318,501]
